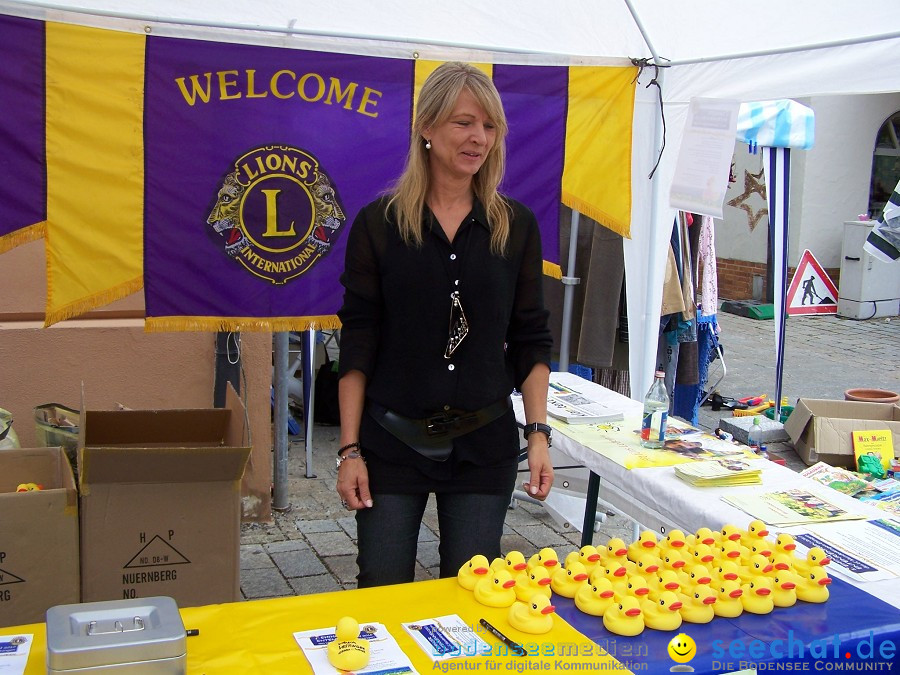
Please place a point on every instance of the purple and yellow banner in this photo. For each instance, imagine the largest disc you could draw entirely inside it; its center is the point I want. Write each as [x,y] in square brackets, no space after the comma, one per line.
[23,179]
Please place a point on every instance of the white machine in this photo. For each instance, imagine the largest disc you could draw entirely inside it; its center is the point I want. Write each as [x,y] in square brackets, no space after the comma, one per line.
[869,288]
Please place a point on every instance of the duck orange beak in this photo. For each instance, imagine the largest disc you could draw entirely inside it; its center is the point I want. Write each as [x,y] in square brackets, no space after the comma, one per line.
[648,544]
[549,609]
[768,568]
[675,606]
[580,577]
[520,567]
[642,591]
[709,600]
[731,576]
[544,581]
[733,554]
[765,554]
[509,584]
[652,568]
[671,586]
[734,537]
[607,594]
[763,533]
[736,593]
[480,570]
[824,582]
[678,564]
[782,566]
[620,572]
[789,547]
[788,585]
[707,558]
[550,563]
[763,591]
[621,552]
[825,561]
[704,580]
[677,544]
[709,541]
[634,611]
[594,557]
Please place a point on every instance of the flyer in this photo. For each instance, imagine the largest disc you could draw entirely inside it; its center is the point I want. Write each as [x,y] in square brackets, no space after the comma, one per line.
[14,650]
[861,550]
[446,637]
[790,507]
[385,654]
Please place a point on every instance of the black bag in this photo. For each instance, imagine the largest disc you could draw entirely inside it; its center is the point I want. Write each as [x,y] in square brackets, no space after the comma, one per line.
[327,409]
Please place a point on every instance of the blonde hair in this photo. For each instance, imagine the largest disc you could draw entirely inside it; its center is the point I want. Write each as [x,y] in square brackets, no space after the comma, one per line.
[435,105]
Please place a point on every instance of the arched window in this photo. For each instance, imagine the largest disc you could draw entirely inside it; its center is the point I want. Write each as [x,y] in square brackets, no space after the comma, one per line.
[885,165]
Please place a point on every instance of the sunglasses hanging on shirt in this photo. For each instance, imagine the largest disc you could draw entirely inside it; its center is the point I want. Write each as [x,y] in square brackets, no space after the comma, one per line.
[459,327]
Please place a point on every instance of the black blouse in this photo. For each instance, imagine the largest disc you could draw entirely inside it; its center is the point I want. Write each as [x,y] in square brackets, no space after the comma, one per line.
[396,318]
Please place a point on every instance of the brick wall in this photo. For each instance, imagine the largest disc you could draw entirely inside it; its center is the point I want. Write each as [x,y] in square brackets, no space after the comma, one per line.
[736,278]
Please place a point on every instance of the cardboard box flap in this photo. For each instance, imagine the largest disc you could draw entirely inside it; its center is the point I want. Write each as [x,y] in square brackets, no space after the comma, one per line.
[49,469]
[202,426]
[796,423]
[162,465]
[808,408]
[237,434]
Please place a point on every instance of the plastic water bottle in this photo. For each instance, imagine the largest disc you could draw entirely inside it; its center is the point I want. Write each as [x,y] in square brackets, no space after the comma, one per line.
[656,413]
[754,437]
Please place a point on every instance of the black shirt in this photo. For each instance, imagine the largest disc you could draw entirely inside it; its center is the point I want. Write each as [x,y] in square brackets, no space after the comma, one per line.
[395,326]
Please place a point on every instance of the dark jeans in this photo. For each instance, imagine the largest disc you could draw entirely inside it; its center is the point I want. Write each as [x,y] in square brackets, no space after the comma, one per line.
[388,532]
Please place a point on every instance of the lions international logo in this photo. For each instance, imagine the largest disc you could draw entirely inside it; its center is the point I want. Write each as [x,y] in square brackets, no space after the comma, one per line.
[277,212]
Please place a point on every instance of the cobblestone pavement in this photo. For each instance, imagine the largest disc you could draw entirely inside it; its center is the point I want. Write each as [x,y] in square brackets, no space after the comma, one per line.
[312,547]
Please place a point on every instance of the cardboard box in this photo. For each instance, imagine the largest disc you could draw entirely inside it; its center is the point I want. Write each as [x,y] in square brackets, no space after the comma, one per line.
[821,429]
[38,535]
[161,503]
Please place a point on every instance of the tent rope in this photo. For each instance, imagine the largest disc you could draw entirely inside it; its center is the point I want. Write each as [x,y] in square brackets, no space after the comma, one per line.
[654,81]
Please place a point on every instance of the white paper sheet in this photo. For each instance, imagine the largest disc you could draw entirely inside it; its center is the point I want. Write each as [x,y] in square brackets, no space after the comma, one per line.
[447,637]
[14,650]
[861,550]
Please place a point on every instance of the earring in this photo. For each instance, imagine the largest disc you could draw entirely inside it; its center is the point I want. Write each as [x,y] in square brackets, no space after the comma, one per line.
[427,144]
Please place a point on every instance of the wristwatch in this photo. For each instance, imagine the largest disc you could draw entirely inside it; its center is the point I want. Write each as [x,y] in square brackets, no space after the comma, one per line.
[353,454]
[537,426]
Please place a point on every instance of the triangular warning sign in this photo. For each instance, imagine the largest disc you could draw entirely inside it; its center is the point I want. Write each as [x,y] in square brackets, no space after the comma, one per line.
[9,578]
[157,552]
[811,290]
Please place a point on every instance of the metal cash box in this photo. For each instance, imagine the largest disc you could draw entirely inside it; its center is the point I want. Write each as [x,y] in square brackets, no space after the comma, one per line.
[135,636]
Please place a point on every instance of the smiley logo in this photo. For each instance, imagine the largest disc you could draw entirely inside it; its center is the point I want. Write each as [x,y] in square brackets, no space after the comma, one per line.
[682,649]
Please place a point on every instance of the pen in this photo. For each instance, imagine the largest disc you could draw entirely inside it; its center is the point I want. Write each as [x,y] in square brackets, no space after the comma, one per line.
[514,646]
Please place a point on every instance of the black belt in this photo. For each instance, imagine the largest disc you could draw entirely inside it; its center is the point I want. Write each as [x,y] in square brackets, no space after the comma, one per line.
[432,436]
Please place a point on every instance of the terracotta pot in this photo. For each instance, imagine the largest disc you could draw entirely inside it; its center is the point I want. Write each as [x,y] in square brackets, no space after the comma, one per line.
[872,395]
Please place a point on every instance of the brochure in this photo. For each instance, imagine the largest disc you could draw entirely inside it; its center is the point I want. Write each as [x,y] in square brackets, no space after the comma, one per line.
[719,472]
[574,407]
[886,501]
[14,650]
[836,478]
[790,507]
[862,551]
[446,637]
[877,442]
[385,654]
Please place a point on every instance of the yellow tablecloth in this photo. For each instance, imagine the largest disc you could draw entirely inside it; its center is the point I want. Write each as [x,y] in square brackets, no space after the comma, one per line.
[257,636]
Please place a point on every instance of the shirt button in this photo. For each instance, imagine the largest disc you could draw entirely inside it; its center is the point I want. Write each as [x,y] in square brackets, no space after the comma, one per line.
[446,407]
[452,256]
[451,367]
[456,282]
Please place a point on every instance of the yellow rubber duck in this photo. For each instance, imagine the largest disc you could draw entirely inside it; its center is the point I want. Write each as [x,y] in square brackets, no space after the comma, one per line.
[645,543]
[615,553]
[730,533]
[781,562]
[702,536]
[698,575]
[784,543]
[814,588]
[546,557]
[703,554]
[762,547]
[697,605]
[729,550]
[534,582]
[728,599]
[665,580]
[348,651]
[471,571]
[638,586]
[646,564]
[784,585]
[673,560]
[674,540]
[815,557]
[624,618]
[755,531]
[535,616]
[589,556]
[615,575]
[727,570]
[570,558]
[756,566]
[513,562]
[496,589]
[595,599]
[663,614]
[567,580]
[29,487]
[757,596]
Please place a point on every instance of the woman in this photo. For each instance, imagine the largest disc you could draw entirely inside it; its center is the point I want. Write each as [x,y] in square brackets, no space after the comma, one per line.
[425,408]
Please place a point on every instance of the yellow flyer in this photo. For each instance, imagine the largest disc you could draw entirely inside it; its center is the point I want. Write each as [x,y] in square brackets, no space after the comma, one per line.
[876,442]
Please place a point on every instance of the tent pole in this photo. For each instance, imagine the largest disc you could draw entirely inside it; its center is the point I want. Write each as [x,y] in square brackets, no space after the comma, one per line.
[569,283]
[281,501]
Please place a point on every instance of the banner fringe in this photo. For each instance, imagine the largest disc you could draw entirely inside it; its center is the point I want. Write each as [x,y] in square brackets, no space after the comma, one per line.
[552,270]
[91,302]
[237,323]
[591,211]
[22,236]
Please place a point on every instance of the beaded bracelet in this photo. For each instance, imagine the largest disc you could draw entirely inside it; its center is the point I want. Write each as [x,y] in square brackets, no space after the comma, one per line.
[354,444]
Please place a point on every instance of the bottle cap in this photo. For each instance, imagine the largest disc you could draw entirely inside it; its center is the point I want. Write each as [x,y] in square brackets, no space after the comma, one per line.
[756,420]
[660,373]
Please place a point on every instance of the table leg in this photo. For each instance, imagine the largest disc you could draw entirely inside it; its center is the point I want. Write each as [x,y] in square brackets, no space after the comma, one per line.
[590,509]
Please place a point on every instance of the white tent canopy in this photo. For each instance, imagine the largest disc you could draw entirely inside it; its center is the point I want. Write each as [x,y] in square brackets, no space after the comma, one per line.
[767,49]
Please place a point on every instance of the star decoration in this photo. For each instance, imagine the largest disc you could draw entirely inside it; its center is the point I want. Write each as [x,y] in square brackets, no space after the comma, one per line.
[753,185]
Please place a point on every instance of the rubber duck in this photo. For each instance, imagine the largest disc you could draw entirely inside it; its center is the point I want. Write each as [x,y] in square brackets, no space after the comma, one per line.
[645,543]
[29,487]
[638,586]
[674,540]
[588,556]
[784,586]
[673,560]
[496,589]
[662,614]
[697,606]
[624,618]
[784,543]
[567,580]
[615,574]
[727,570]
[546,557]
[762,546]
[698,575]
[730,533]
[595,599]
[533,617]
[755,531]
[471,571]
[781,561]
[702,536]
[728,599]
[814,587]
[666,580]
[513,562]
[347,651]
[756,566]
[729,550]
[615,553]
[534,582]
[646,564]
[757,596]
[815,557]
[703,554]
[570,558]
